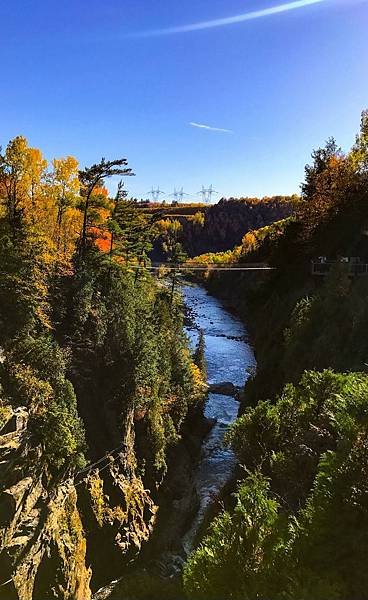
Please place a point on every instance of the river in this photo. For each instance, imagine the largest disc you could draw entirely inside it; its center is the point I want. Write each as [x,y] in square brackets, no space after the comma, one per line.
[229,358]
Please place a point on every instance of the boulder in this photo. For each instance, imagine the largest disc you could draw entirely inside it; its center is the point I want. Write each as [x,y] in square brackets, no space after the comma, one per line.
[225,388]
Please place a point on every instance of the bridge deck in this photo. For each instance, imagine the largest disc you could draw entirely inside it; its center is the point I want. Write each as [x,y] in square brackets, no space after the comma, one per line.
[204,267]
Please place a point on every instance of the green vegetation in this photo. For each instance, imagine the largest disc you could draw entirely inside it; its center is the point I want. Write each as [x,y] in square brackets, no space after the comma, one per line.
[92,350]
[87,342]
[199,356]
[298,529]
[252,242]
[211,232]
[235,559]
[298,526]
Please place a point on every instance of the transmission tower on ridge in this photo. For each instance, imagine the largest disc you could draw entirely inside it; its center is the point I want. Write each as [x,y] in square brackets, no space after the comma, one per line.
[203,193]
[207,194]
[155,194]
[179,194]
[210,193]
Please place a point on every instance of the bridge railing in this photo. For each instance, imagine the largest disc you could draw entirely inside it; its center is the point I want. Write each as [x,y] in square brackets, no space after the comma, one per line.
[212,266]
[324,267]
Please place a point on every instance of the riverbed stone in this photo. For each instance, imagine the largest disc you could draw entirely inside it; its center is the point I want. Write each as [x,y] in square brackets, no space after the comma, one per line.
[225,388]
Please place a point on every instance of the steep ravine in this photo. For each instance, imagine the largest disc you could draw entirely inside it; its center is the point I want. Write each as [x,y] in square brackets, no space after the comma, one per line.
[63,537]
[229,359]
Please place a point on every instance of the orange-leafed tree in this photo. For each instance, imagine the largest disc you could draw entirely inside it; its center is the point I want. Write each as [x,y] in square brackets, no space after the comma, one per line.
[92,178]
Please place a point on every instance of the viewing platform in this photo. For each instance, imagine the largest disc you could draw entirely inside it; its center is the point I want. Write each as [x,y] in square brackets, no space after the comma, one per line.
[355,267]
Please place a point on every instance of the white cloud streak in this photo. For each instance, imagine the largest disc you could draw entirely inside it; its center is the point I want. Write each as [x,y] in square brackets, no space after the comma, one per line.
[249,16]
[209,128]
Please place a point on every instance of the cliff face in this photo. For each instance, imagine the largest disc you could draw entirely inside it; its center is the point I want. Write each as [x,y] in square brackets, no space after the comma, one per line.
[88,427]
[61,539]
[53,532]
[226,223]
[118,512]
[42,538]
[220,227]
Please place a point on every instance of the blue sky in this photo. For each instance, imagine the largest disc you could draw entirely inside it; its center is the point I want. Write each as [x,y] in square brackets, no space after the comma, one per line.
[84,78]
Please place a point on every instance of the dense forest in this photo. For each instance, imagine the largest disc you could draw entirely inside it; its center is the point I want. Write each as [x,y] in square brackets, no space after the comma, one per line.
[218,228]
[297,527]
[101,397]
[97,380]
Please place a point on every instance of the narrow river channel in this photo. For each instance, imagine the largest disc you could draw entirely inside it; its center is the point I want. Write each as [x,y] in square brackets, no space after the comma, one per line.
[229,358]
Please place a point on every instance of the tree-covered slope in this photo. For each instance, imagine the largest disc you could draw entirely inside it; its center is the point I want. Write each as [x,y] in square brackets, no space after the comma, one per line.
[298,526]
[96,379]
[218,228]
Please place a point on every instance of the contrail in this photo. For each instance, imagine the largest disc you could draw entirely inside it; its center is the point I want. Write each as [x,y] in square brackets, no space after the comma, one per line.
[249,16]
[209,128]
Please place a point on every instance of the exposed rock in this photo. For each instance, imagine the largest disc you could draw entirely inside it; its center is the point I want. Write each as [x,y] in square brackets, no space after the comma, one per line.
[48,533]
[118,514]
[43,546]
[57,557]
[225,388]
[17,421]
[161,562]
[240,395]
[63,536]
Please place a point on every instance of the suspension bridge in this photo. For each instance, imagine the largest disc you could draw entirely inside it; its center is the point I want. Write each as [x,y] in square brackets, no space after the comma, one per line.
[178,267]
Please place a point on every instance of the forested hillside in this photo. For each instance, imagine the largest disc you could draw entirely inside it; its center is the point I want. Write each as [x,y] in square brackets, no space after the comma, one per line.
[219,227]
[101,400]
[184,300]
[96,378]
[298,525]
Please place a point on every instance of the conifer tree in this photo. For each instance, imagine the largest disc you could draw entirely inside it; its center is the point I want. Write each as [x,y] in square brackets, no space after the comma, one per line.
[92,178]
[199,357]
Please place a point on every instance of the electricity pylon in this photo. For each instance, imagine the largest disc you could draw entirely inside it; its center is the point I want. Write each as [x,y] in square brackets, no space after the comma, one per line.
[155,194]
[207,194]
[203,193]
[179,194]
[210,193]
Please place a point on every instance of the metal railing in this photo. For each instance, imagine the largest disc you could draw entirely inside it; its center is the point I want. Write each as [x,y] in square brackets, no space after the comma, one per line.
[354,269]
[204,267]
